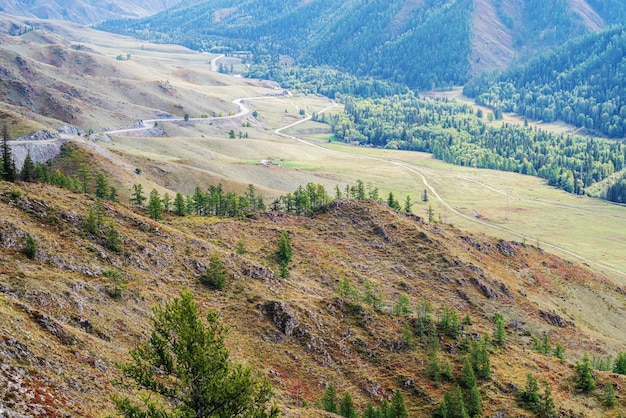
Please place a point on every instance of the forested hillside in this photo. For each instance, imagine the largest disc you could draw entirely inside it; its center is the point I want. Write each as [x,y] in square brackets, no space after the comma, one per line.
[452,132]
[422,44]
[581,83]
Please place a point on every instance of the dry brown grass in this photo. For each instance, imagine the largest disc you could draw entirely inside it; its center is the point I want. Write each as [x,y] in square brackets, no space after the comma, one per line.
[355,351]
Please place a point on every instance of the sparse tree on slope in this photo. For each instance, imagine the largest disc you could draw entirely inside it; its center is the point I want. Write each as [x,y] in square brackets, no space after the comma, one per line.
[8,165]
[584,375]
[155,207]
[346,409]
[284,254]
[137,197]
[329,400]
[102,186]
[185,366]
[28,172]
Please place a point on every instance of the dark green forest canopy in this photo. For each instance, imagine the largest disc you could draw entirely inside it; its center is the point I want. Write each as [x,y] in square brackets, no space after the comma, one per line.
[452,132]
[421,46]
[583,83]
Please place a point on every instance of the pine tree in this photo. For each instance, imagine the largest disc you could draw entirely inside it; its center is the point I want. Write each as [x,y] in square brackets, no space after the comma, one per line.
[284,254]
[155,207]
[434,367]
[609,395]
[167,202]
[30,250]
[384,410]
[113,194]
[529,397]
[196,376]
[329,400]
[620,364]
[479,357]
[398,406]
[215,275]
[474,408]
[102,186]
[403,306]
[180,208]
[446,371]
[545,407]
[346,409]
[584,375]
[92,221]
[85,176]
[499,333]
[41,173]
[370,412]
[8,165]
[137,197]
[113,239]
[407,205]
[392,202]
[28,172]
[468,378]
[455,404]
[559,352]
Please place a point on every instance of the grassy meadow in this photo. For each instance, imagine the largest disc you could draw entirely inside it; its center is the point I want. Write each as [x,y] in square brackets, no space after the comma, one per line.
[507,205]
[199,153]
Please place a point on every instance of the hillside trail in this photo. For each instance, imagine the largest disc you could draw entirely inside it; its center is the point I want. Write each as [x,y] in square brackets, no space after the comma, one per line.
[433,191]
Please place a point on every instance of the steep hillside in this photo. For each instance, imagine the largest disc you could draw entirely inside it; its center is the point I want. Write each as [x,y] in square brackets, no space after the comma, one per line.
[85,11]
[56,73]
[66,319]
[580,83]
[420,43]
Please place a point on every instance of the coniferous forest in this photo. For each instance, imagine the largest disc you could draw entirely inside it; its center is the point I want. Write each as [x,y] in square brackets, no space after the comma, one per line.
[453,132]
[581,83]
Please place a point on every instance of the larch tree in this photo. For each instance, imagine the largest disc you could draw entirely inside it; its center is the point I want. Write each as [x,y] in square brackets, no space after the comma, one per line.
[8,165]
[186,369]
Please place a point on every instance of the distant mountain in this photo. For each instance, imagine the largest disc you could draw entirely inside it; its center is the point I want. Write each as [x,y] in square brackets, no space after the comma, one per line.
[85,11]
[424,44]
[581,83]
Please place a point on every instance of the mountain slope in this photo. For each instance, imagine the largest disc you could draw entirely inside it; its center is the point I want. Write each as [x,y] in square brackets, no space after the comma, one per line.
[85,11]
[421,43]
[62,73]
[63,326]
[580,83]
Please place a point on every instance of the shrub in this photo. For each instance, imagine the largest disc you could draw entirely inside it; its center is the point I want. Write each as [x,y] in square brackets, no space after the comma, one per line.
[117,282]
[31,247]
[215,276]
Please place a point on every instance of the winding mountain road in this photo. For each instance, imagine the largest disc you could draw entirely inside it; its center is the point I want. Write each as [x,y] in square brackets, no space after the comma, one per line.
[433,192]
[149,123]
[244,110]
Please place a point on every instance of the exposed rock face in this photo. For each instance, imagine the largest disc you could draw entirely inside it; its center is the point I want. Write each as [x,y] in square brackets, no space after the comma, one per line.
[39,152]
[42,135]
[555,320]
[282,316]
[71,130]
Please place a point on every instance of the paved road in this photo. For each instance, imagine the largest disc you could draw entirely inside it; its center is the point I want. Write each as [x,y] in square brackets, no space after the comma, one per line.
[149,123]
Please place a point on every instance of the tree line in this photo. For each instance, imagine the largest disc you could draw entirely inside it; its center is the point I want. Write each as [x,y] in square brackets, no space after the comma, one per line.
[581,83]
[452,132]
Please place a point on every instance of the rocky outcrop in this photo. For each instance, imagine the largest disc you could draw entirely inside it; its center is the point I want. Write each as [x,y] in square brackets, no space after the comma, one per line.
[41,145]
[282,316]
